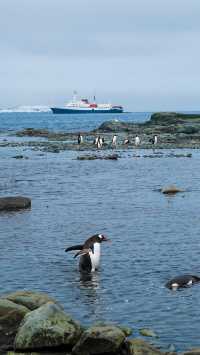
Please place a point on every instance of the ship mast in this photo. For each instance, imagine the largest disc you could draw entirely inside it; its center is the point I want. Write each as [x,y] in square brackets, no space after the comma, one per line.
[74,96]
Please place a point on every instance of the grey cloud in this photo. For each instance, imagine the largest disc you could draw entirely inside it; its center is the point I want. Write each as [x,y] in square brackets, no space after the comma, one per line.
[145,52]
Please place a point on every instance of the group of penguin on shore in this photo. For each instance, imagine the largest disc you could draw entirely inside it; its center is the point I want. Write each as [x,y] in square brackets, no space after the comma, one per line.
[90,252]
[99,141]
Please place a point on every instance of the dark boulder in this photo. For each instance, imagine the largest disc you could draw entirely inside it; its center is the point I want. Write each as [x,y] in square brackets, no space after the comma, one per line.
[100,340]
[14,203]
[117,126]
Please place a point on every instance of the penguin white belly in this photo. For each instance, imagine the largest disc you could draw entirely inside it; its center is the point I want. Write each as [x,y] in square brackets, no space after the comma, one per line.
[95,257]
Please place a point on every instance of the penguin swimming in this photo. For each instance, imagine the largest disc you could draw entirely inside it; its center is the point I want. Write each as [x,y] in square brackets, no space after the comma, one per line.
[89,253]
[182,281]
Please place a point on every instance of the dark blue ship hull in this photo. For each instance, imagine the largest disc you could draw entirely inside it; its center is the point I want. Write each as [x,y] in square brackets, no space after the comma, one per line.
[58,110]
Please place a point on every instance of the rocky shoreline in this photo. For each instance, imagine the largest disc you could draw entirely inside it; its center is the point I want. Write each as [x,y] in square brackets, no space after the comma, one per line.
[174,130]
[33,322]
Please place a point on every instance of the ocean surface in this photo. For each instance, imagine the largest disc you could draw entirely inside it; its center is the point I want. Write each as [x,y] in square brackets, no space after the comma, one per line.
[154,237]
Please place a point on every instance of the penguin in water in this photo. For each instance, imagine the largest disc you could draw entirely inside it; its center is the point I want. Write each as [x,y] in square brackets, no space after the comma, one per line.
[182,281]
[89,253]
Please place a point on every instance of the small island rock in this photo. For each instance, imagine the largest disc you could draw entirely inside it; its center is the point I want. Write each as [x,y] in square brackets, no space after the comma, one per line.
[14,203]
[171,190]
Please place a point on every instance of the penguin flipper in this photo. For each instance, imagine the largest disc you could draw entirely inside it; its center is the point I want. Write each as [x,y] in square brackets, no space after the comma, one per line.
[74,247]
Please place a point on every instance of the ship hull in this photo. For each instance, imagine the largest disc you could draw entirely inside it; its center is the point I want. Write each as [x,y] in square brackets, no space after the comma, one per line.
[58,110]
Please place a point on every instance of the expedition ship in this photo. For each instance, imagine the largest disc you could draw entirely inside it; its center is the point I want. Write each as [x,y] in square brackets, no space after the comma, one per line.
[84,106]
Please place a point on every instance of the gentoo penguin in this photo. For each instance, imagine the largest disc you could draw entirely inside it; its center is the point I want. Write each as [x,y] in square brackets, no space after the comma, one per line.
[80,139]
[114,140]
[155,141]
[99,142]
[182,281]
[126,141]
[137,140]
[96,140]
[89,252]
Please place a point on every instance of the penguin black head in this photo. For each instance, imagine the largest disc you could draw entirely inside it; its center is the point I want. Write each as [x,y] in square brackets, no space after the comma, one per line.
[102,238]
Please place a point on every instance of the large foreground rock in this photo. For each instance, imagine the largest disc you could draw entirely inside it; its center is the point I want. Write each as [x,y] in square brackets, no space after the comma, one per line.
[14,203]
[100,340]
[30,299]
[47,327]
[140,347]
[11,314]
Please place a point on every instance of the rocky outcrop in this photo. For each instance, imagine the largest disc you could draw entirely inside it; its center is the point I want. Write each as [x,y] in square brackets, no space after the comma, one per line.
[47,327]
[14,203]
[31,300]
[117,126]
[32,322]
[100,340]
[13,308]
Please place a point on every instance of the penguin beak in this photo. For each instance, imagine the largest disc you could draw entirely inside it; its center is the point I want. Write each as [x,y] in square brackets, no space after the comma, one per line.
[105,239]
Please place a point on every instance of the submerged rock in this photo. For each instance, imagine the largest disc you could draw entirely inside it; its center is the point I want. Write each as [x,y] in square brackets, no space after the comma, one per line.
[148,332]
[170,190]
[11,314]
[94,157]
[140,347]
[47,327]
[14,203]
[100,340]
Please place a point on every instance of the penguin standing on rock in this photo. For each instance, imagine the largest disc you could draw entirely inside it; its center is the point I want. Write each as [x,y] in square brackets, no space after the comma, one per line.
[80,139]
[89,253]
[114,140]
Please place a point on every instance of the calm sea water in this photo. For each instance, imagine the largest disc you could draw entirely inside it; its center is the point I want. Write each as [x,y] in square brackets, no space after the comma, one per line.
[154,237]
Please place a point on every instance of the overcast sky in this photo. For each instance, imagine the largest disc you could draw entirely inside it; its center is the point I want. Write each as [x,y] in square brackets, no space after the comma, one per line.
[143,54]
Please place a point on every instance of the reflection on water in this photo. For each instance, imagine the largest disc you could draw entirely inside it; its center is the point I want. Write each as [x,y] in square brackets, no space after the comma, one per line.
[89,280]
[89,287]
